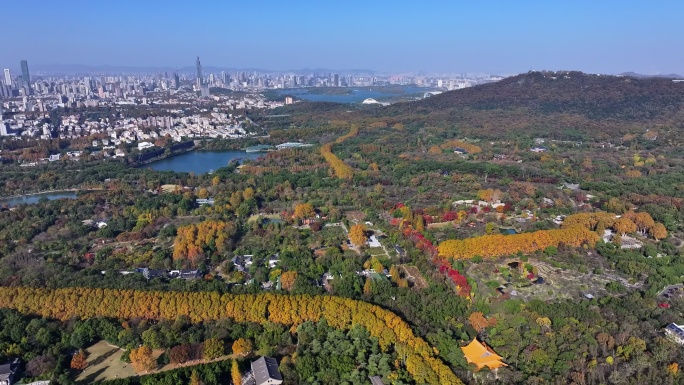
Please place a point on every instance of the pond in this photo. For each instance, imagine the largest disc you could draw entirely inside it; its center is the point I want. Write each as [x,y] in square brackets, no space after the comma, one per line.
[508,231]
[35,198]
[200,162]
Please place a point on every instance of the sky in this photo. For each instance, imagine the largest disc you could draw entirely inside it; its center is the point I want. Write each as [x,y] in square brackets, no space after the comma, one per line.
[501,37]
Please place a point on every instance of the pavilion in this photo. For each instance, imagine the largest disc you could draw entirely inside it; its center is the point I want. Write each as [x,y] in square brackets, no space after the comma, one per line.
[481,355]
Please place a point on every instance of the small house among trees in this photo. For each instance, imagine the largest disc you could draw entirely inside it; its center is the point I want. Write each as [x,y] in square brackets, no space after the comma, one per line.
[266,372]
[675,333]
[7,372]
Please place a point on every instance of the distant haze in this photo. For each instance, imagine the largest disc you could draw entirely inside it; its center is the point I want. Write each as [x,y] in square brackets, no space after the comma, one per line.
[432,36]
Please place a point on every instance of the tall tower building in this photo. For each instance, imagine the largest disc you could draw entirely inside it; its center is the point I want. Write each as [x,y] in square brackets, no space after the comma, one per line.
[8,77]
[25,75]
[199,73]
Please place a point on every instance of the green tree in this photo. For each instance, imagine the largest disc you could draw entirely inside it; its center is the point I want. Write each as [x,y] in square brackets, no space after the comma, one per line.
[213,348]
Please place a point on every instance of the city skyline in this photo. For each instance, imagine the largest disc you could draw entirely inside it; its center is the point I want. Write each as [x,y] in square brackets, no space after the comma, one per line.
[490,37]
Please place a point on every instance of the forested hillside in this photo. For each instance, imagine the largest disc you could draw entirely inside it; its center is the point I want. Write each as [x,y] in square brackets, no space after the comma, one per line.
[562,105]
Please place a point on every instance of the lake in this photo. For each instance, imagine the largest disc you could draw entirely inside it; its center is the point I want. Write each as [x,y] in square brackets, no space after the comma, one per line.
[357,94]
[201,162]
[35,198]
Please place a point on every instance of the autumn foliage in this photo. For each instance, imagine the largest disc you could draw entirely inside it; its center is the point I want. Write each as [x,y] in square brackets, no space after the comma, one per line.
[341,169]
[357,234]
[261,170]
[195,240]
[78,361]
[462,286]
[577,229]
[304,210]
[488,246]
[235,374]
[142,360]
[341,313]
[629,222]
[287,280]
[180,354]
[242,347]
[478,321]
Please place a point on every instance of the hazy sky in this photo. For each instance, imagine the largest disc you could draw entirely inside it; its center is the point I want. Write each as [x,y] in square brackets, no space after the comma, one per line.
[432,36]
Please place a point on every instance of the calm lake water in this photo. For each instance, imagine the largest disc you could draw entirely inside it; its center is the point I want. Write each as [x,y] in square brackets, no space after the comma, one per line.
[357,95]
[201,162]
[33,199]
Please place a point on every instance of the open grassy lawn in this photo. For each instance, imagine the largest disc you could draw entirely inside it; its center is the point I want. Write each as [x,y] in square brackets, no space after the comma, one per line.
[169,188]
[104,363]
[255,217]
[376,251]
[414,275]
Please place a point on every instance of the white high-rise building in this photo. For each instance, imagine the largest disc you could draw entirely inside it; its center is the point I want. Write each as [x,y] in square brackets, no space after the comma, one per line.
[8,77]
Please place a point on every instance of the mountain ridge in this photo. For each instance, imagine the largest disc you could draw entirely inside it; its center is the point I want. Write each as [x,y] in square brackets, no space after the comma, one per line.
[561,105]
[638,75]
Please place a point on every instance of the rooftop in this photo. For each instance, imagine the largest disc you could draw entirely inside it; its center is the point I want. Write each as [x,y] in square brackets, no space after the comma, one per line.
[265,369]
[481,355]
[676,329]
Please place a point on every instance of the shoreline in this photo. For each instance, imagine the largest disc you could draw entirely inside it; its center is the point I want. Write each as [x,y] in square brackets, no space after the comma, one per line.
[74,190]
[156,159]
[195,148]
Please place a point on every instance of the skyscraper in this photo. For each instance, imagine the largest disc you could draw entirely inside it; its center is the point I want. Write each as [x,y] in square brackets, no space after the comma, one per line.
[8,77]
[176,81]
[199,73]
[25,75]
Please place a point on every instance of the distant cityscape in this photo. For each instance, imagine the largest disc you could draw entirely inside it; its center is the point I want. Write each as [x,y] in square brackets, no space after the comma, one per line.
[26,102]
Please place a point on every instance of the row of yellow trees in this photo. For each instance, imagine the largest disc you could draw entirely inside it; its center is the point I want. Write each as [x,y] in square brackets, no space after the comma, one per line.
[63,304]
[488,246]
[341,169]
[629,222]
[260,170]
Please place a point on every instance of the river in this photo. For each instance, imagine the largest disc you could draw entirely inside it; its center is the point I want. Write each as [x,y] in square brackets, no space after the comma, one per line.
[200,162]
[35,198]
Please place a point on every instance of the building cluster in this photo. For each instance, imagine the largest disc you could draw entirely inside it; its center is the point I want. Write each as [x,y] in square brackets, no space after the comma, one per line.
[26,102]
[173,123]
[74,88]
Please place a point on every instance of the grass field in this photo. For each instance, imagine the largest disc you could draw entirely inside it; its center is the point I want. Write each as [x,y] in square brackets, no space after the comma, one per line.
[413,274]
[169,188]
[254,217]
[104,363]
[376,251]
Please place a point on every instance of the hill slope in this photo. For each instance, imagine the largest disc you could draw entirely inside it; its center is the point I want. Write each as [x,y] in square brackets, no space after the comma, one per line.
[557,104]
[561,105]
